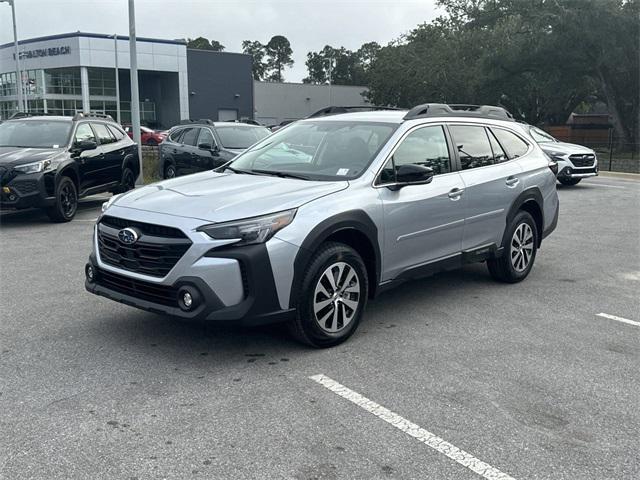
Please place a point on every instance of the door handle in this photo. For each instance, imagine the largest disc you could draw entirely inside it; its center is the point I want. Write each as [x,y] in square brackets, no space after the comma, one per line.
[456,193]
[512,181]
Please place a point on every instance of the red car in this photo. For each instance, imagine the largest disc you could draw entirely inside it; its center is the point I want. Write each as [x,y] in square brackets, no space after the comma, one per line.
[148,136]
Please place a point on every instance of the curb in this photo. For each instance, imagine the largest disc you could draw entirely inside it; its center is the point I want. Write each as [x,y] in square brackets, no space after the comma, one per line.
[632,176]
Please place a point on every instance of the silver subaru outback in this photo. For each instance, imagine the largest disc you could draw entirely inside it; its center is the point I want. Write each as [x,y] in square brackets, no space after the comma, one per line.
[312,221]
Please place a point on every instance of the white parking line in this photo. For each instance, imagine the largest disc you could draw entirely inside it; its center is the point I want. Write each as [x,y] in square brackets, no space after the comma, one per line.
[454,453]
[619,319]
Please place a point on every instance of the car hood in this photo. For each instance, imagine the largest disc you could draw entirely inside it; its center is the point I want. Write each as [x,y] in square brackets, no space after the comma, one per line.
[11,156]
[564,148]
[220,197]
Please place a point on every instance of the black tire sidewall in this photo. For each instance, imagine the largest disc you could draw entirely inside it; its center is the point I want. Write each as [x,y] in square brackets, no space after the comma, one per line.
[57,210]
[521,217]
[124,186]
[166,169]
[331,254]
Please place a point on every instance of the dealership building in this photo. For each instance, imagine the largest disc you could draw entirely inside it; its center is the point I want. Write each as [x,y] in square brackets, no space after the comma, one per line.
[76,72]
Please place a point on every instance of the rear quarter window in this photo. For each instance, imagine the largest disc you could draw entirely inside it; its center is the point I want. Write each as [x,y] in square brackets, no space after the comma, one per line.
[512,143]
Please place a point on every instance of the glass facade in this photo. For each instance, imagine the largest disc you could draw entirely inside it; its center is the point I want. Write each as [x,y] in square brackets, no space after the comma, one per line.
[59,92]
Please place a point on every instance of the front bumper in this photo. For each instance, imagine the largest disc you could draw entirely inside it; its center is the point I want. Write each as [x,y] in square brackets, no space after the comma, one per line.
[33,190]
[226,283]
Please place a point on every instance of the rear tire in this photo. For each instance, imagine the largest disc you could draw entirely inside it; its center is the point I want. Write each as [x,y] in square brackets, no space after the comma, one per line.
[569,181]
[332,298]
[66,203]
[519,252]
[170,171]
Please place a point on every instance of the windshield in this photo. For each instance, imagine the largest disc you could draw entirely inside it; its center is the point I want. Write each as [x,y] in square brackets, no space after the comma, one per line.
[34,133]
[241,137]
[541,136]
[321,150]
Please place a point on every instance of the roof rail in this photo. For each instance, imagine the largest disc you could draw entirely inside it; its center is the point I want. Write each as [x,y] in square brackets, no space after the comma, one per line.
[458,110]
[20,115]
[187,121]
[337,109]
[103,116]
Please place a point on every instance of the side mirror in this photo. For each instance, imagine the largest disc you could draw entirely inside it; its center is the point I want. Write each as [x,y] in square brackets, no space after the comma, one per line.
[412,174]
[208,146]
[82,145]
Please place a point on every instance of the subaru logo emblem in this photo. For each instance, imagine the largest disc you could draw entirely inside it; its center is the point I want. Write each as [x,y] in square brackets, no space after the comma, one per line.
[128,236]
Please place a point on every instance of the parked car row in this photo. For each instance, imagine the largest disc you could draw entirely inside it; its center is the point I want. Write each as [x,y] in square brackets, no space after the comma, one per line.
[50,162]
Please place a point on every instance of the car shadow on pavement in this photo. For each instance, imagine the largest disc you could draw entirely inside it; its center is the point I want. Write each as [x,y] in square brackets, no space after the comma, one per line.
[150,334]
[34,216]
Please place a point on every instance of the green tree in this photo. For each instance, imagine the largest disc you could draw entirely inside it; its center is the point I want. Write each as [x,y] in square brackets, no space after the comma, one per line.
[347,67]
[279,53]
[202,43]
[258,51]
[541,59]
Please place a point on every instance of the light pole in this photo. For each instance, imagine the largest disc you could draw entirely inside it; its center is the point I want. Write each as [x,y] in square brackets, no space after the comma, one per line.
[135,97]
[115,46]
[21,102]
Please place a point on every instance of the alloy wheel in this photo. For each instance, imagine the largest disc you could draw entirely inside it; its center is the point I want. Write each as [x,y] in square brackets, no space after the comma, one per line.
[336,297]
[521,247]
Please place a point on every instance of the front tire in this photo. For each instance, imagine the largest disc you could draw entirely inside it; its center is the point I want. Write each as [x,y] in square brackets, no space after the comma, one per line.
[128,181]
[66,203]
[519,253]
[569,182]
[332,298]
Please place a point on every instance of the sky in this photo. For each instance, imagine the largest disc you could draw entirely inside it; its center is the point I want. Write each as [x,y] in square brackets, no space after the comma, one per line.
[308,24]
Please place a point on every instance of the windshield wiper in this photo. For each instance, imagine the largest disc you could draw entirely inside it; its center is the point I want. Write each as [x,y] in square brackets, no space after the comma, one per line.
[280,174]
[236,170]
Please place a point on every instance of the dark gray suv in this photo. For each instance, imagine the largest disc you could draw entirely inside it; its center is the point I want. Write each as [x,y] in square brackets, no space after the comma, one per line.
[195,146]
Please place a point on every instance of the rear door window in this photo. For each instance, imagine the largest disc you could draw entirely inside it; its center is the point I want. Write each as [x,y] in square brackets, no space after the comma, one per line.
[473,146]
[116,132]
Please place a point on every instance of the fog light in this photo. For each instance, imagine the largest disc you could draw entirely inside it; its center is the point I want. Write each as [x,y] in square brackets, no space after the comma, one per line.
[6,190]
[187,299]
[90,272]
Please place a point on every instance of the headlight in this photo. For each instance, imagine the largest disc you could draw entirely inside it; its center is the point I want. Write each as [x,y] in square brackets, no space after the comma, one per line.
[108,203]
[35,167]
[250,230]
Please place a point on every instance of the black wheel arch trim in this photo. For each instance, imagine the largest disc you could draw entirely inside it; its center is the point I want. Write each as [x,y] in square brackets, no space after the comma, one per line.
[356,220]
[528,195]
[63,169]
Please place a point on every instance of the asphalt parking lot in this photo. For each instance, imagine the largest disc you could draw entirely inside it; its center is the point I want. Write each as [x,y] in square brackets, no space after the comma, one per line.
[526,378]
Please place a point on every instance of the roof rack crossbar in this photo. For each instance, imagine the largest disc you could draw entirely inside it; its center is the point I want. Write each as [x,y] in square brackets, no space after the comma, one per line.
[337,109]
[458,110]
